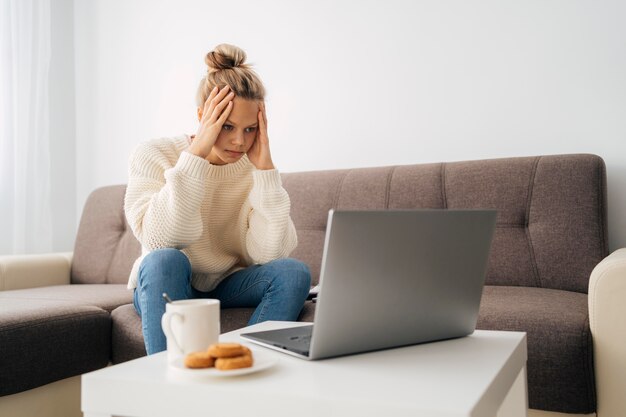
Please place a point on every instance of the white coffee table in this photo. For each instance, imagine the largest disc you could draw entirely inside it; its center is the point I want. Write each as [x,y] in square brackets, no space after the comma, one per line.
[480,375]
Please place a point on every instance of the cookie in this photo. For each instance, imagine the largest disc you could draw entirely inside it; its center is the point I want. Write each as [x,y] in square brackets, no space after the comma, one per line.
[238,362]
[226,350]
[197,360]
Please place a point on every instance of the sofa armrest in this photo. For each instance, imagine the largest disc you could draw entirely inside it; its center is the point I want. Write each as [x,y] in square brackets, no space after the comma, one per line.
[607,309]
[29,271]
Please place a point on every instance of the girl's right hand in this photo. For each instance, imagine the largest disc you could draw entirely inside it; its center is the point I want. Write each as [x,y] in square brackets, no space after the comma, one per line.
[217,108]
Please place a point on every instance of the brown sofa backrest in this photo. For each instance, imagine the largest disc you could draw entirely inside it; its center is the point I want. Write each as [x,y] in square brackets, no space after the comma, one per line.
[551,224]
[105,247]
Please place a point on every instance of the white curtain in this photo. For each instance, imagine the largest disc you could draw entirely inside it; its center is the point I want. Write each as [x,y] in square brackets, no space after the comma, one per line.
[25,217]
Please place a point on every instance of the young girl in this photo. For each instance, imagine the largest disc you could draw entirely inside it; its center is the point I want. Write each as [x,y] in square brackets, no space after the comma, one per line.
[210,210]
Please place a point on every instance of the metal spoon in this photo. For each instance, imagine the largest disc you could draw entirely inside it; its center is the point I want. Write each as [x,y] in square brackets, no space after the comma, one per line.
[167,299]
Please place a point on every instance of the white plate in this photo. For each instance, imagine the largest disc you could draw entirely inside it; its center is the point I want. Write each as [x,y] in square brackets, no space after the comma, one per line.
[262,360]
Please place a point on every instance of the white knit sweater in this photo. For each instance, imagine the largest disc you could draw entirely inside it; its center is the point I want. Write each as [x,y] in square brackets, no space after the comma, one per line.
[223,217]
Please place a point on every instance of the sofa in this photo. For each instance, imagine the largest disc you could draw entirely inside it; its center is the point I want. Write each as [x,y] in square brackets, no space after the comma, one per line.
[550,274]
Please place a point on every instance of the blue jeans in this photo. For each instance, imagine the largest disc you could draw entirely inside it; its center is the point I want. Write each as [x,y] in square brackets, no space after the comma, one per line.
[278,290]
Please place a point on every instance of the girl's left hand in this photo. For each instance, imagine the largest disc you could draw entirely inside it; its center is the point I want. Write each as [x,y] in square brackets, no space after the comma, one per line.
[259,153]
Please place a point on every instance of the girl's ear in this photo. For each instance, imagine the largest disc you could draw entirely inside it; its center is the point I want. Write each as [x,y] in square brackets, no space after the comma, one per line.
[199,113]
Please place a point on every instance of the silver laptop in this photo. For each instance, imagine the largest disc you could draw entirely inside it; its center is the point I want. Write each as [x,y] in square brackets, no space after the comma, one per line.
[393,278]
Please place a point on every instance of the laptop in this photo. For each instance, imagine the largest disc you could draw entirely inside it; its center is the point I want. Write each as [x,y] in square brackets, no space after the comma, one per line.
[392,278]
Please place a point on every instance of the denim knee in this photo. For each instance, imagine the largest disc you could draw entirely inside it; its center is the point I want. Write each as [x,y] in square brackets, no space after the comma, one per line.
[163,263]
[297,273]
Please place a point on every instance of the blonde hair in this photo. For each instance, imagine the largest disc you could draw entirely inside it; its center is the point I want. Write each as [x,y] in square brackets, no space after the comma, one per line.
[227,66]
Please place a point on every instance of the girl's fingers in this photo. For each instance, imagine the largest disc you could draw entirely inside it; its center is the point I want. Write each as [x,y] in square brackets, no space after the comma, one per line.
[225,113]
[260,117]
[259,129]
[264,113]
[219,96]
[211,96]
[217,99]
[262,121]
[218,109]
[207,103]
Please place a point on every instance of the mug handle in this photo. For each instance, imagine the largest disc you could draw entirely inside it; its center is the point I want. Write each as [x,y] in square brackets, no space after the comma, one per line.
[167,329]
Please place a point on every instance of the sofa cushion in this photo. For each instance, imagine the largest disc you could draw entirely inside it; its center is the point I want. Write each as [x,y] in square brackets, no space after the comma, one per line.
[234,318]
[105,247]
[45,341]
[127,337]
[308,312]
[560,347]
[106,296]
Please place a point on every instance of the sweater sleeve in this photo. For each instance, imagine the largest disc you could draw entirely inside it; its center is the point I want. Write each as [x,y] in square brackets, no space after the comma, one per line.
[271,233]
[163,201]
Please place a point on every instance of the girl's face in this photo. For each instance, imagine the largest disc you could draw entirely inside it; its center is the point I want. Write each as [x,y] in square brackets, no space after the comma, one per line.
[238,132]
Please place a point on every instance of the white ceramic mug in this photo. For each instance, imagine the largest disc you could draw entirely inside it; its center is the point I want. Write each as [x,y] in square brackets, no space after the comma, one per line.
[190,326]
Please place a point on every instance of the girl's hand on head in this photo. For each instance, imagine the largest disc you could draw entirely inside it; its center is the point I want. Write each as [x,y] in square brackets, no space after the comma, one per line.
[259,153]
[217,108]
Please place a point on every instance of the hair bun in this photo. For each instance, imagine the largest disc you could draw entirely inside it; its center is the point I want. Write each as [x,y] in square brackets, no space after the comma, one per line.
[228,67]
[225,56]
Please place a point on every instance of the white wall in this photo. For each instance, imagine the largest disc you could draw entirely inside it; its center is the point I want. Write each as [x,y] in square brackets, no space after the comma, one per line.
[358,83]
